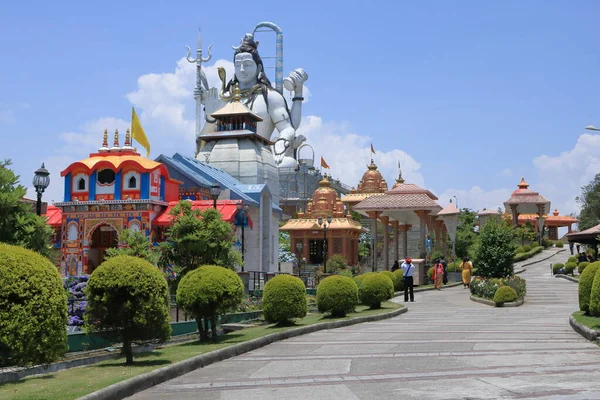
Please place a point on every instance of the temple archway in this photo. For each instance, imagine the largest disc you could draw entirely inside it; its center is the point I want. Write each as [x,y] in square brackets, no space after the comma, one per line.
[102,238]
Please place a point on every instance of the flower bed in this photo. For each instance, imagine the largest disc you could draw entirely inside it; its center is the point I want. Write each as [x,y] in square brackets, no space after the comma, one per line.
[486,288]
[76,298]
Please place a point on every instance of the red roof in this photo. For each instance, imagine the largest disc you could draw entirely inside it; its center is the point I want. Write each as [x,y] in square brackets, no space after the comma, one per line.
[54,215]
[227,208]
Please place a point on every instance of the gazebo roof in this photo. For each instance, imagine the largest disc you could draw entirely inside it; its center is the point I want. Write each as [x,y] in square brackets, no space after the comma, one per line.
[450,209]
[484,213]
[526,200]
[586,236]
[312,223]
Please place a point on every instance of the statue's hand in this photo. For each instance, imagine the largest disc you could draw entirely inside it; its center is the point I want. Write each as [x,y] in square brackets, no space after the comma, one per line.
[296,80]
[211,100]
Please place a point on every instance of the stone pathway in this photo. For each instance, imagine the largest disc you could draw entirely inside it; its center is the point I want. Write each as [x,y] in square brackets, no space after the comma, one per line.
[444,347]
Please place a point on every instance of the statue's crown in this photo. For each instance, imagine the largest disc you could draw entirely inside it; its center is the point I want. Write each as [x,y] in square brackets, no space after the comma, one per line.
[247,41]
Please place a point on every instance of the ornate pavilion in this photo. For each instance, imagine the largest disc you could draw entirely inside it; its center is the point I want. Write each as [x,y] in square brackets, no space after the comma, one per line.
[311,241]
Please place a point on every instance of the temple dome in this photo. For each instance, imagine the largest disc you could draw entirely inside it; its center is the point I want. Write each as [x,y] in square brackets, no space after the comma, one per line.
[372,181]
[325,201]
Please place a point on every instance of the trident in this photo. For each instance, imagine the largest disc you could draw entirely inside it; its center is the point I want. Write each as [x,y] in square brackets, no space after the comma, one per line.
[200,77]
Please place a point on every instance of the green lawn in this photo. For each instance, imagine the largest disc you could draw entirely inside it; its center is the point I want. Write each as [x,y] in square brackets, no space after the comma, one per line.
[590,322]
[77,382]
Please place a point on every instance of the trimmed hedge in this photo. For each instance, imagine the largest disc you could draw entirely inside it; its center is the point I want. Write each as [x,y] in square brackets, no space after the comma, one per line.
[556,267]
[526,248]
[559,244]
[359,278]
[570,267]
[594,308]
[33,309]
[284,299]
[398,280]
[505,294]
[207,292]
[581,266]
[572,259]
[375,289]
[128,301]
[585,285]
[389,274]
[337,295]
[528,254]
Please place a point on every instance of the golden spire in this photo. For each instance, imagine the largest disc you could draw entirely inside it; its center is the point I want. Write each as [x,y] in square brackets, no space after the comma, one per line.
[104,146]
[127,139]
[237,94]
[116,141]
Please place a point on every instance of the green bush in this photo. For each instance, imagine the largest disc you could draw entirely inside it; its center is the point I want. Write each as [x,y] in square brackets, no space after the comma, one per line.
[335,262]
[572,259]
[546,243]
[556,267]
[496,250]
[570,267]
[206,293]
[344,272]
[337,295]
[375,289]
[586,281]
[526,248]
[398,280]
[284,299]
[520,250]
[359,278]
[128,301]
[581,266]
[518,284]
[559,244]
[594,308]
[529,254]
[389,274]
[505,294]
[430,273]
[33,309]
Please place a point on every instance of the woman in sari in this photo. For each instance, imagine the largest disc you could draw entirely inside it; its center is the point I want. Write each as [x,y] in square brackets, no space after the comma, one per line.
[467,268]
[438,274]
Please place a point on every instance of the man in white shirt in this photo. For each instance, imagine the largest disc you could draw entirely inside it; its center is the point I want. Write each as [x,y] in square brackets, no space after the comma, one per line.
[407,270]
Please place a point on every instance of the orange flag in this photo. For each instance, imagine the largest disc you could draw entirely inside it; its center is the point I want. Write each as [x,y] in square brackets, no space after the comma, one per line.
[372,149]
[323,163]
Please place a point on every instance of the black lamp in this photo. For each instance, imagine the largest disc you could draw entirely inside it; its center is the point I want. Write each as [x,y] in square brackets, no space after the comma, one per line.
[325,249]
[244,217]
[215,192]
[41,180]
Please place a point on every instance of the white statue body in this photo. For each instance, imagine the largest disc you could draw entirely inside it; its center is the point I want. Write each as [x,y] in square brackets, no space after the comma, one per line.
[256,92]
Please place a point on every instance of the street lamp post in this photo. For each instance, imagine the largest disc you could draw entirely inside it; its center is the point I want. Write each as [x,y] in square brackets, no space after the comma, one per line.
[41,180]
[299,247]
[215,192]
[244,220]
[325,246]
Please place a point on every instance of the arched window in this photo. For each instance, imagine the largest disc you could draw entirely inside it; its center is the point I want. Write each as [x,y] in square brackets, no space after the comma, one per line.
[81,184]
[132,183]
[72,232]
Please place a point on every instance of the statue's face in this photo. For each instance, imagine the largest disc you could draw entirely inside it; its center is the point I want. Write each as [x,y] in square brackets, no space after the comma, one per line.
[246,70]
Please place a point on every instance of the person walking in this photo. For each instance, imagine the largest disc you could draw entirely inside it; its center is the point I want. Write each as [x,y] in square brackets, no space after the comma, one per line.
[467,268]
[571,248]
[408,269]
[438,274]
[396,266]
[578,248]
[445,265]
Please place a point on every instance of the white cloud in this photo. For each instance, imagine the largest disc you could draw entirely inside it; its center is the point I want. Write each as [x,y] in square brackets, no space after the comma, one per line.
[475,198]
[8,111]
[505,172]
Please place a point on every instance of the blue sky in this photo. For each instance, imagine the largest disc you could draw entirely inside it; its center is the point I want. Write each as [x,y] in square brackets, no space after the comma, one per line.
[470,95]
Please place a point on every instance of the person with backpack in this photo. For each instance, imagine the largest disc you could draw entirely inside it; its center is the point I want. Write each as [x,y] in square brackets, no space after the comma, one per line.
[438,274]
[408,269]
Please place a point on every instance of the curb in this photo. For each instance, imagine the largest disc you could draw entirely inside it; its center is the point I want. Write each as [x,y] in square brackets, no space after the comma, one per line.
[584,331]
[520,271]
[567,277]
[145,381]
[416,290]
[491,303]
[543,259]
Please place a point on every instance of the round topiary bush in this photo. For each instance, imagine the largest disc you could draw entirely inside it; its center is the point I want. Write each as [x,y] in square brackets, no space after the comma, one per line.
[375,289]
[398,280]
[559,244]
[520,250]
[505,294]
[284,299]
[359,278]
[581,266]
[572,259]
[556,267]
[207,292]
[570,267]
[128,301]
[594,308]
[526,248]
[585,285]
[33,309]
[337,295]
[389,274]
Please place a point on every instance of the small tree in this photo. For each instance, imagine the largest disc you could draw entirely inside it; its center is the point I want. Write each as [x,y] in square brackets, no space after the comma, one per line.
[207,292]
[525,233]
[496,250]
[33,309]
[198,238]
[128,300]
[135,244]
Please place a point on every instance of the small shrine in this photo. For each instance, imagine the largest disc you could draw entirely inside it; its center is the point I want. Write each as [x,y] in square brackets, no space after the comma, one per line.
[551,222]
[337,232]
[372,183]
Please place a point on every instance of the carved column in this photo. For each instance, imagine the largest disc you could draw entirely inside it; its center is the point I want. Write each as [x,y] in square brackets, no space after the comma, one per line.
[345,248]
[386,239]
[396,241]
[374,215]
[404,229]
[438,234]
[422,214]
[445,242]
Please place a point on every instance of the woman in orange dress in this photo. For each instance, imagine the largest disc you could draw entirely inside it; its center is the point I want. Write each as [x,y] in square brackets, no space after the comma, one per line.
[467,269]
[438,274]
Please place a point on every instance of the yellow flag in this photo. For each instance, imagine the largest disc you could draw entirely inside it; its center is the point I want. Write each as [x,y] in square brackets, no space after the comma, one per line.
[137,132]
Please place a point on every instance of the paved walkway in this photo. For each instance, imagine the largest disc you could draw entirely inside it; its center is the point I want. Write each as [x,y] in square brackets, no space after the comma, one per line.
[444,347]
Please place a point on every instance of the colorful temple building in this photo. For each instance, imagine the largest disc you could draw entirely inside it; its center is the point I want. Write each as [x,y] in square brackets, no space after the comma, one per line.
[325,229]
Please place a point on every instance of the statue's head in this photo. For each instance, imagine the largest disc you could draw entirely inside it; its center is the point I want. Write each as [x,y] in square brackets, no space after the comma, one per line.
[249,67]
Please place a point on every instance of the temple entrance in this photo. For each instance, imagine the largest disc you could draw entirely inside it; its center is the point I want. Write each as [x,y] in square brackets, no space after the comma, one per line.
[316,251]
[103,238]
